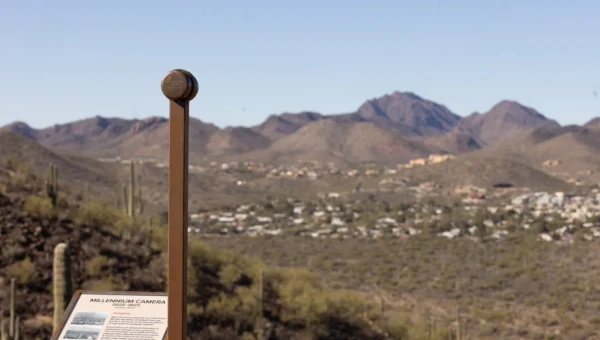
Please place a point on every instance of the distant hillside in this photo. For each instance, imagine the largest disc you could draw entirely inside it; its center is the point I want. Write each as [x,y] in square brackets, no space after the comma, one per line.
[277,126]
[502,121]
[331,141]
[593,123]
[236,140]
[74,171]
[454,142]
[484,172]
[392,128]
[39,157]
[575,147]
[148,138]
[207,188]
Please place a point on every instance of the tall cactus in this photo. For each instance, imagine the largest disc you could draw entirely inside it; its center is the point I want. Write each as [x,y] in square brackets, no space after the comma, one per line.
[125,200]
[458,325]
[13,322]
[61,276]
[140,205]
[261,304]
[132,203]
[131,196]
[88,194]
[52,183]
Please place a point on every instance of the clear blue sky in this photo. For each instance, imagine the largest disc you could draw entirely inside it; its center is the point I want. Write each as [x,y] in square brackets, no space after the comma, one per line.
[67,60]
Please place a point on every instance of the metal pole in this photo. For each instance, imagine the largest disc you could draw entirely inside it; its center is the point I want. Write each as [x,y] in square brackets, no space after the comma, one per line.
[179,86]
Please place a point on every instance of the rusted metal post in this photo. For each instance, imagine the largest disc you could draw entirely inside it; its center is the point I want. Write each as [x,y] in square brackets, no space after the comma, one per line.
[179,86]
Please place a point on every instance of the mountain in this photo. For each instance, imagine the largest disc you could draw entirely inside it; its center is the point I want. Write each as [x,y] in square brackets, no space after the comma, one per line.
[236,140]
[21,128]
[593,123]
[277,126]
[404,112]
[409,114]
[394,127]
[147,138]
[151,140]
[330,141]
[502,121]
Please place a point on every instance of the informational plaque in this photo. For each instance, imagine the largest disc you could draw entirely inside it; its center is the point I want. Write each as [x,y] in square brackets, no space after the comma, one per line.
[114,316]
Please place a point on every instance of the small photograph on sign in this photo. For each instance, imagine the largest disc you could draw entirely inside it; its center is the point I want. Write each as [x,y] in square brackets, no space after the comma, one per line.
[89,318]
[83,332]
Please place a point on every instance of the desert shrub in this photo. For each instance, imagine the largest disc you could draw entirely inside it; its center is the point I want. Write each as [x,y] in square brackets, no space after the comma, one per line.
[95,265]
[39,206]
[21,175]
[194,310]
[348,304]
[102,215]
[239,267]
[300,296]
[98,214]
[23,271]
[159,236]
[61,203]
[11,162]
[395,327]
[241,308]
[202,255]
[248,336]
[539,226]
[101,285]
[127,227]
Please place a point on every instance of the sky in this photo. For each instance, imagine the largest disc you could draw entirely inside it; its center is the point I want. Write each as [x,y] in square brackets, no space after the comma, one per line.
[67,60]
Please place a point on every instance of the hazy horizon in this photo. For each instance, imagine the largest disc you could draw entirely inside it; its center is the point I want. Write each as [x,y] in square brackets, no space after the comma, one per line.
[69,60]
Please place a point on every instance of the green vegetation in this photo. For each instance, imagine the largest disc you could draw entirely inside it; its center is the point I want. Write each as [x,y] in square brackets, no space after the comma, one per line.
[233,294]
[104,284]
[39,206]
[22,270]
[502,286]
[96,265]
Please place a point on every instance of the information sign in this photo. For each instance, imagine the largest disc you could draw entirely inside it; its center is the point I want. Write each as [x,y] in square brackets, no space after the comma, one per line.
[114,316]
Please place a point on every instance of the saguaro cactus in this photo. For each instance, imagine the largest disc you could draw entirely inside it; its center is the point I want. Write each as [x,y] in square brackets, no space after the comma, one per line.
[261,304]
[13,323]
[61,276]
[132,205]
[131,196]
[52,183]
[125,200]
[459,332]
[140,205]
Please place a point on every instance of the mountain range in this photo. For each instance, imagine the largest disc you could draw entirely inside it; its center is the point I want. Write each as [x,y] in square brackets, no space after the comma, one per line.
[396,127]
